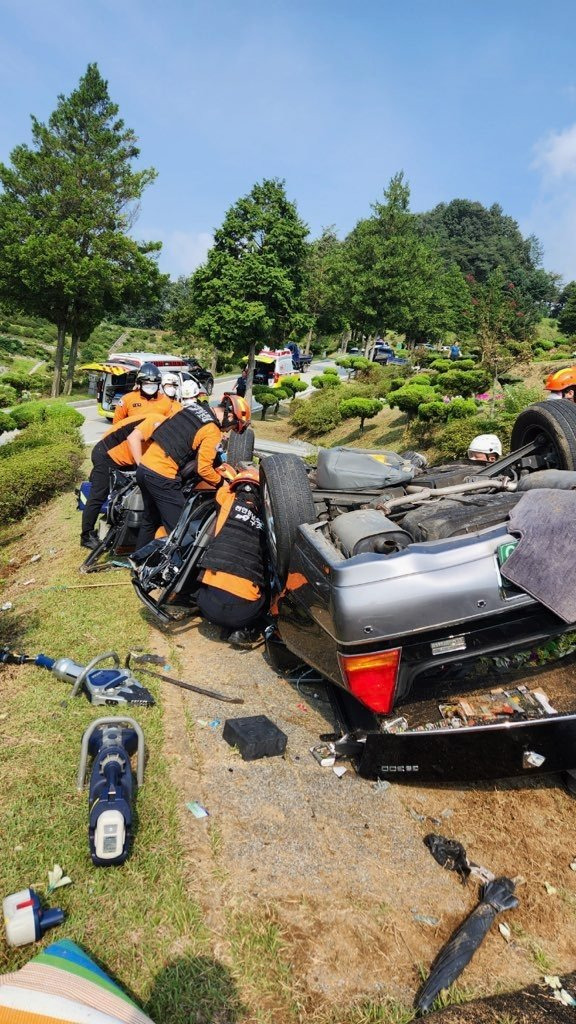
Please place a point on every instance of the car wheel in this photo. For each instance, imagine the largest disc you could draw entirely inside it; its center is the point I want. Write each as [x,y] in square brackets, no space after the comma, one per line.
[288,503]
[240,447]
[553,424]
[209,383]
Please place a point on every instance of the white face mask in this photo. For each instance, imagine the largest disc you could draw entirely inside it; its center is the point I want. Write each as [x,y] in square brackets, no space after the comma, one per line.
[150,389]
[170,390]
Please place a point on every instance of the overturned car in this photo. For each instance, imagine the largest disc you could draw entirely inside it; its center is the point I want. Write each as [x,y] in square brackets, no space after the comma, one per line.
[384,589]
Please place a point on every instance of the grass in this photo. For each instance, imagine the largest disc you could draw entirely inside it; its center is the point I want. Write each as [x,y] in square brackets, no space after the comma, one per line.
[385,431]
[260,959]
[138,920]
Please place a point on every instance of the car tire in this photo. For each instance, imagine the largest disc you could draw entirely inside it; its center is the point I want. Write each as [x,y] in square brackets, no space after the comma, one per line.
[555,423]
[208,383]
[287,503]
[240,447]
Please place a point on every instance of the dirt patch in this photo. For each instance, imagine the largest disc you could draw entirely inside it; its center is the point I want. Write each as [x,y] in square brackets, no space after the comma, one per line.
[340,864]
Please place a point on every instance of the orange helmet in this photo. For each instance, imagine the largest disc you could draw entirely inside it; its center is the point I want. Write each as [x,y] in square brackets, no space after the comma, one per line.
[561,379]
[250,476]
[236,413]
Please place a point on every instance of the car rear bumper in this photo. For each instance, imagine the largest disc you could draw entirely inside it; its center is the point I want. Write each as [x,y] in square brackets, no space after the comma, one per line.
[485,752]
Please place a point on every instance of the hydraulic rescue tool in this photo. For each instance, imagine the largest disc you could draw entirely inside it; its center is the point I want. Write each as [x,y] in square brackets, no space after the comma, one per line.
[104,686]
[111,742]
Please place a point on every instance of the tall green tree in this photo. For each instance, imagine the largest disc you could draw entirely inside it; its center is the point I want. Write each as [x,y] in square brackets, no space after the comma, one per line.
[396,279]
[249,291]
[567,317]
[323,292]
[68,202]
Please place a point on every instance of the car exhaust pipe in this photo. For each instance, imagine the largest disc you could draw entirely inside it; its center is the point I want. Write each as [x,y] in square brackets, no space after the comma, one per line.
[417,495]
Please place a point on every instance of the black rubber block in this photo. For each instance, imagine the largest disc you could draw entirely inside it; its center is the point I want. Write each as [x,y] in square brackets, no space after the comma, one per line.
[255,736]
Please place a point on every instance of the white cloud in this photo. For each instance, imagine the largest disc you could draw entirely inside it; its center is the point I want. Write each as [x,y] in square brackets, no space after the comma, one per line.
[183,251]
[556,154]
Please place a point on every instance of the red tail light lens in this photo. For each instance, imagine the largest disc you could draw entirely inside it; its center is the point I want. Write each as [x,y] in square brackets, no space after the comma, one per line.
[372,677]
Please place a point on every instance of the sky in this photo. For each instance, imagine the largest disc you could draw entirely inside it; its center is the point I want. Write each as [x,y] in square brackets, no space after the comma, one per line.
[473,99]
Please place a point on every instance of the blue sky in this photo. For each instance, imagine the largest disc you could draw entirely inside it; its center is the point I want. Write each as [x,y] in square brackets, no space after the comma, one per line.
[473,100]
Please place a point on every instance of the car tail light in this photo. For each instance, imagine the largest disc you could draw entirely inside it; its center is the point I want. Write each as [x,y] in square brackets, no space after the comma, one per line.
[372,677]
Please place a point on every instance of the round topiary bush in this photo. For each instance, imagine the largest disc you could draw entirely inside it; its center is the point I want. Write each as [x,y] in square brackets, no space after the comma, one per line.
[6,422]
[8,395]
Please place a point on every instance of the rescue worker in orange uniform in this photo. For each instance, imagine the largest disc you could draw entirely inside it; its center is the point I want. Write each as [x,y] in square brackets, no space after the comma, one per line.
[147,398]
[233,592]
[113,451]
[197,429]
[562,384]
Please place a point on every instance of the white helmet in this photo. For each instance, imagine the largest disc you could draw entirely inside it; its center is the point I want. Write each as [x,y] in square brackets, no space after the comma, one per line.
[170,384]
[190,391]
[485,445]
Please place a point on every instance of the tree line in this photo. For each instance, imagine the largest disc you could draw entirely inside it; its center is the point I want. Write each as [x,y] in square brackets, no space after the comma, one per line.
[68,206]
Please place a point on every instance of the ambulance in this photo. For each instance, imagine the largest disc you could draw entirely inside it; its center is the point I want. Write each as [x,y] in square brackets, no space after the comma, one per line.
[118,375]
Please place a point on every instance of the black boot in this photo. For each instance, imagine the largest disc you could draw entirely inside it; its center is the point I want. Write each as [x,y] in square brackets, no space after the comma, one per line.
[89,540]
[244,637]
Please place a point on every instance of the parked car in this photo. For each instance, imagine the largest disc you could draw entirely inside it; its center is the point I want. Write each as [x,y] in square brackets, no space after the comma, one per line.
[385,588]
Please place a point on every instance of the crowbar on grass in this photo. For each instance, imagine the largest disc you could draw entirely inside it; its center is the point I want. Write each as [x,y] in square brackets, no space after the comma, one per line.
[180,682]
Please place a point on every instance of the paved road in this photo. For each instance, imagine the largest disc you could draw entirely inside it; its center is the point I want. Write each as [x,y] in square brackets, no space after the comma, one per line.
[95,425]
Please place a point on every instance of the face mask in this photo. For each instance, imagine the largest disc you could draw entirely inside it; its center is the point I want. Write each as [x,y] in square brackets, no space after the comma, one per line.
[149,389]
[170,390]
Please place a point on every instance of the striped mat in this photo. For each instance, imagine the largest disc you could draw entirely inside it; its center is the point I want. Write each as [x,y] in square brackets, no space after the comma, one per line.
[64,986]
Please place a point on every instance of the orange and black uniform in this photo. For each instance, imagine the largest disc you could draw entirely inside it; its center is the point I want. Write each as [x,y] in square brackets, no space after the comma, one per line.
[111,452]
[193,429]
[136,404]
[233,585]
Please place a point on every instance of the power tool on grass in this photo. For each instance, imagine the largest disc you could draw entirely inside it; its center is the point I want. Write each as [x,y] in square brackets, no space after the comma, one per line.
[104,686]
[111,742]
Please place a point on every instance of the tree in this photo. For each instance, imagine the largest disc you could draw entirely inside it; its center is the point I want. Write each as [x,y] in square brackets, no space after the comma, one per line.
[396,279]
[361,408]
[567,318]
[323,294]
[67,204]
[567,293]
[249,291]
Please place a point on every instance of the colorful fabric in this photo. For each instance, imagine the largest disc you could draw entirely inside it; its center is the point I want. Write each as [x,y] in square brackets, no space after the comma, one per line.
[64,986]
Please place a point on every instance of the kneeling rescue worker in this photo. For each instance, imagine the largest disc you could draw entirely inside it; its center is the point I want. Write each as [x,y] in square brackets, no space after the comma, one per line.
[197,429]
[562,384]
[233,591]
[147,397]
[485,448]
[113,451]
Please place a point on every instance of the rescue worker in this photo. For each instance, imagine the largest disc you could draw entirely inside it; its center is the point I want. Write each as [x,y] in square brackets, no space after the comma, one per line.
[196,429]
[232,591]
[146,398]
[170,385]
[562,384]
[485,448]
[113,451]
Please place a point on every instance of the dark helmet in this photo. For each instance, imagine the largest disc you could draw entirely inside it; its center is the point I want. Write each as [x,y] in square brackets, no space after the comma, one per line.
[149,374]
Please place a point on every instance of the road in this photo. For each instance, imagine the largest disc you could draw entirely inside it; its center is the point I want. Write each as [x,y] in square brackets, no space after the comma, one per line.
[95,425]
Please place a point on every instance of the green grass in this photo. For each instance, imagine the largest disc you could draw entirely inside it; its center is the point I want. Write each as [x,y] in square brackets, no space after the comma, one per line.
[260,959]
[139,920]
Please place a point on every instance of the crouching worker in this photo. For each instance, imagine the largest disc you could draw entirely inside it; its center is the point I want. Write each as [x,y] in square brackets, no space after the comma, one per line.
[233,591]
[113,451]
[196,430]
[485,448]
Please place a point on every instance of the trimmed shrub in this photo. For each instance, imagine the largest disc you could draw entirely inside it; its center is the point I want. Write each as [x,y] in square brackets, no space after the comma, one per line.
[31,477]
[461,408]
[8,395]
[433,412]
[462,382]
[292,385]
[6,423]
[317,414]
[39,412]
[361,408]
[326,380]
[411,396]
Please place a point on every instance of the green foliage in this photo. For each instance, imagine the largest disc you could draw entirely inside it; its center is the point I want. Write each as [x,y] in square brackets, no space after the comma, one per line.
[462,382]
[441,365]
[518,397]
[410,397]
[454,440]
[461,408]
[326,380]
[292,385]
[567,317]
[8,395]
[67,203]
[42,460]
[421,378]
[269,397]
[6,422]
[38,412]
[249,292]
[316,415]
[433,412]
[361,408]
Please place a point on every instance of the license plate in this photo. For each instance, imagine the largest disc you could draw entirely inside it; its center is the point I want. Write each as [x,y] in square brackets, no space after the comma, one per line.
[452,643]
[505,550]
